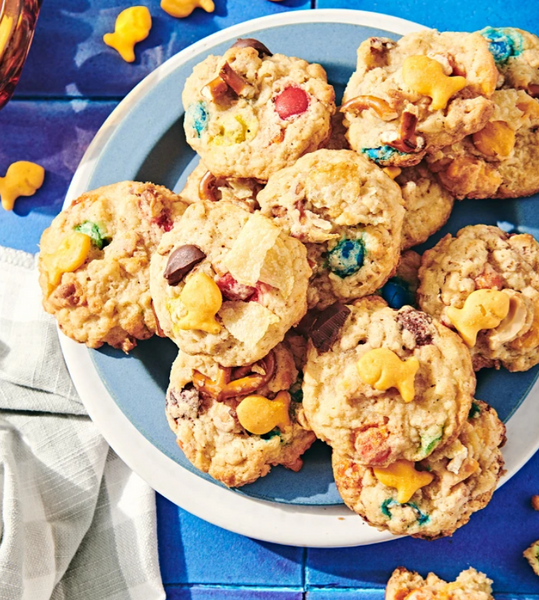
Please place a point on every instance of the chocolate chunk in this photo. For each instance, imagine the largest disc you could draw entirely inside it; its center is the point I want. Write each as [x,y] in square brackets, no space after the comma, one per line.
[181,261]
[252,43]
[418,323]
[327,325]
[305,325]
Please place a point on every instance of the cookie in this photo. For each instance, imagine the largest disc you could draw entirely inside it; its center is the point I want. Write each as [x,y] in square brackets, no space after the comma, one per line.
[501,160]
[250,113]
[203,185]
[424,92]
[516,54]
[417,402]
[427,203]
[228,284]
[348,212]
[469,585]
[202,408]
[485,284]
[94,262]
[450,485]
[532,556]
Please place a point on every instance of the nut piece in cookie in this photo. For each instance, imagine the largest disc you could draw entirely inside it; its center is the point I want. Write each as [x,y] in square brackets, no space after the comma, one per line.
[438,494]
[250,113]
[485,284]
[235,423]
[500,160]
[248,288]
[424,92]
[532,556]
[94,262]
[347,212]
[391,385]
[409,585]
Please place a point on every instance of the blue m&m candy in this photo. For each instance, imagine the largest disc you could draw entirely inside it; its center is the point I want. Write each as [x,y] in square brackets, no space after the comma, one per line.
[196,117]
[504,42]
[396,292]
[346,258]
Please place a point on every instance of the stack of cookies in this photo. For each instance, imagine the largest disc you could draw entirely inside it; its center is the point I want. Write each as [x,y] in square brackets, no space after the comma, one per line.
[283,272]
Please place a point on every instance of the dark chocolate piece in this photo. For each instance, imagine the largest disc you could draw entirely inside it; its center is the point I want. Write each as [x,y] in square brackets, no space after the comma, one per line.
[327,325]
[181,261]
[252,43]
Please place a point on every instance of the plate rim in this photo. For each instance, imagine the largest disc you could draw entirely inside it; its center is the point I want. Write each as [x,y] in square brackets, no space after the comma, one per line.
[288,524]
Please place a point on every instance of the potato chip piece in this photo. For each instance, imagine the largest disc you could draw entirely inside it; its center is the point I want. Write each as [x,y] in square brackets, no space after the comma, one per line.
[277,269]
[247,321]
[247,255]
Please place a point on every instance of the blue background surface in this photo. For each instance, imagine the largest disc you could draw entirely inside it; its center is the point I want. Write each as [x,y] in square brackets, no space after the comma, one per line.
[70,84]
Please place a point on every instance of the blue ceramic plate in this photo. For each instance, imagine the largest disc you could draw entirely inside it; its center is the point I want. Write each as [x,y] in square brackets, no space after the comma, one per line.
[144,140]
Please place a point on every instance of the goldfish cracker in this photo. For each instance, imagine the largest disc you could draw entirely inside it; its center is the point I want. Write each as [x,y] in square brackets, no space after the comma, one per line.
[259,415]
[383,369]
[22,178]
[183,8]
[403,476]
[483,309]
[132,26]
[69,256]
[202,299]
[426,76]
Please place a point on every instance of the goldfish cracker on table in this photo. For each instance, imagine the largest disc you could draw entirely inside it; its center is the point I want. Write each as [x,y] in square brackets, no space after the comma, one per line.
[22,178]
[132,26]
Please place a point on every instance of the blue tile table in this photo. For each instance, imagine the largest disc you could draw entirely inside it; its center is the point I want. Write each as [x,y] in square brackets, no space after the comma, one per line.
[71,83]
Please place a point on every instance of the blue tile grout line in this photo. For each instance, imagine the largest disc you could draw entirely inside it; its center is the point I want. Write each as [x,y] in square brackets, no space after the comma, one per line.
[67,99]
[252,588]
[314,588]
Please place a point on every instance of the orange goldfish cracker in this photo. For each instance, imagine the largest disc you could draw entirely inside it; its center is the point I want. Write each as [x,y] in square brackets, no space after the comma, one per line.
[132,26]
[259,415]
[483,309]
[383,369]
[402,476]
[183,8]
[426,76]
[202,299]
[69,256]
[22,178]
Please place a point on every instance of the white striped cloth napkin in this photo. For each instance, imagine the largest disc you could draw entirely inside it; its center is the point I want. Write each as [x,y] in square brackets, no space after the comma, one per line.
[75,522]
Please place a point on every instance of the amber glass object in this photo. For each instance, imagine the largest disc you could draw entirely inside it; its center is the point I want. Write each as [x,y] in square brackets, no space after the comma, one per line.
[17,24]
